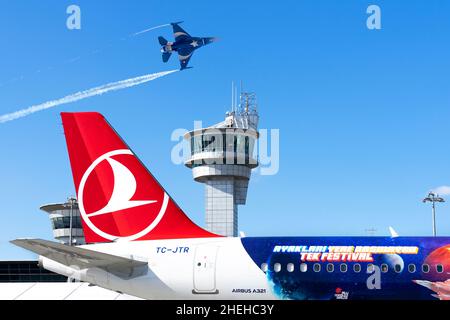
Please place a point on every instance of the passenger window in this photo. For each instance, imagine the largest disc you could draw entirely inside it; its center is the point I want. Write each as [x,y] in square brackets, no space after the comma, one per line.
[264,267]
[330,267]
[412,268]
[277,267]
[370,268]
[303,267]
[425,268]
[290,267]
[398,268]
[384,268]
[440,268]
[357,268]
[343,268]
[317,267]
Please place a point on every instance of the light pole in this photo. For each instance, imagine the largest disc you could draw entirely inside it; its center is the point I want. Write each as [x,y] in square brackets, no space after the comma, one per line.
[433,198]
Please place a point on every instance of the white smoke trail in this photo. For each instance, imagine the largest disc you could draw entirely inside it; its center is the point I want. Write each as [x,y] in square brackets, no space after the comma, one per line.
[72,60]
[147,30]
[84,94]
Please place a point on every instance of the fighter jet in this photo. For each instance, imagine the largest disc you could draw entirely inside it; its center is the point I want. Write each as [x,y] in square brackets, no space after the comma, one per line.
[184,45]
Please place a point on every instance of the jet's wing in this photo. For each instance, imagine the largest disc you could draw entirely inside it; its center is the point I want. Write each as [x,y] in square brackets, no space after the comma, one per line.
[184,56]
[83,258]
[179,33]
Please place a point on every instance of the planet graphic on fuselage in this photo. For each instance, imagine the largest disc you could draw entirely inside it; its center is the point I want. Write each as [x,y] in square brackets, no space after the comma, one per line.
[439,256]
[392,260]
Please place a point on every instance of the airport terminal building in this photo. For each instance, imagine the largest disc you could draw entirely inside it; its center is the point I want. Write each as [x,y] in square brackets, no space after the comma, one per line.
[27,280]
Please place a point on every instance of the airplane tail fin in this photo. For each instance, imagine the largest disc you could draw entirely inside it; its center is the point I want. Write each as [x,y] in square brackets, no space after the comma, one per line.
[118,198]
[166,56]
[162,41]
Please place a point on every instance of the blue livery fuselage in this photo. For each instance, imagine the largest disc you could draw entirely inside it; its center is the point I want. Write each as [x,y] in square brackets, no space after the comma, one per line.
[354,267]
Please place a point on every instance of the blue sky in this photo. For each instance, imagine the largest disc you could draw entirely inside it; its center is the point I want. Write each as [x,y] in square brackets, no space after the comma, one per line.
[363,115]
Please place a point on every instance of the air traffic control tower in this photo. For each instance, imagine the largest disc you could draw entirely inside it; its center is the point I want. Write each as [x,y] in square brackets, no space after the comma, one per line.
[66,222]
[222,157]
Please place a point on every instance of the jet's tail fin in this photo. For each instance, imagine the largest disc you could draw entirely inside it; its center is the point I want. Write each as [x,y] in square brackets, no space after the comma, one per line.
[162,41]
[166,56]
[118,198]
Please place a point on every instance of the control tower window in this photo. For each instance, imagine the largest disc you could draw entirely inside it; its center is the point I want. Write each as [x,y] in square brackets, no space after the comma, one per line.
[211,143]
[229,142]
[64,222]
[240,144]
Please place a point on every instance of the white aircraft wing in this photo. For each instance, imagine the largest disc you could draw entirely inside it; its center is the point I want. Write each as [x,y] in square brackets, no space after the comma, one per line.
[83,258]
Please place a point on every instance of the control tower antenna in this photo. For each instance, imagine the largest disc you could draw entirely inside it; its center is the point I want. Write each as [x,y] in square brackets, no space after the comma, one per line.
[235,97]
[241,89]
[232,96]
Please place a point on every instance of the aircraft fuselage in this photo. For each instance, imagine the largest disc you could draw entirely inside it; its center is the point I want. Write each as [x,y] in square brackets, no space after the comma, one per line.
[192,43]
[319,268]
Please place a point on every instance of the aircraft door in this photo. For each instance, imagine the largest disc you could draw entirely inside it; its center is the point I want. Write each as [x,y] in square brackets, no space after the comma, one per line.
[205,270]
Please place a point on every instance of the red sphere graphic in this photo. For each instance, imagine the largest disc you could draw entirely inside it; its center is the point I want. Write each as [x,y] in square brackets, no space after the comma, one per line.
[440,256]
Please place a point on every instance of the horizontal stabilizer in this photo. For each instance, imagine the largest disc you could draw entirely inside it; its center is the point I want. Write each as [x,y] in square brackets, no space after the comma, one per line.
[162,41]
[166,56]
[84,258]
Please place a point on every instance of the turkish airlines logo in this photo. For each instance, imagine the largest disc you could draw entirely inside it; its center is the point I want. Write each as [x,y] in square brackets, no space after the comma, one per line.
[131,211]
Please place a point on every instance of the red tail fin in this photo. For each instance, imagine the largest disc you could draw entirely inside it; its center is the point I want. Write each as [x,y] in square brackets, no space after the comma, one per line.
[118,197]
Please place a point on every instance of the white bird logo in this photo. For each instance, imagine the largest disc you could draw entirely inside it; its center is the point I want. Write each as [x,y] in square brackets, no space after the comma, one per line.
[124,190]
